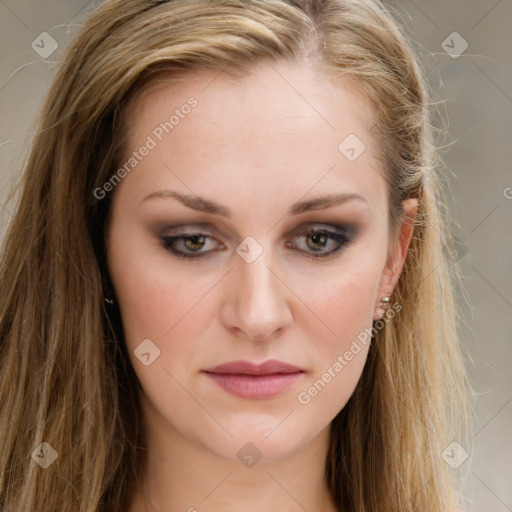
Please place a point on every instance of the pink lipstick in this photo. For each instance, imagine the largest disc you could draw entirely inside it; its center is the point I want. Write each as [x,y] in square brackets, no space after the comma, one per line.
[255,381]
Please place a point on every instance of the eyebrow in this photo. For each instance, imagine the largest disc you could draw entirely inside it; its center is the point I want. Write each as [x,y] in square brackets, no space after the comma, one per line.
[202,204]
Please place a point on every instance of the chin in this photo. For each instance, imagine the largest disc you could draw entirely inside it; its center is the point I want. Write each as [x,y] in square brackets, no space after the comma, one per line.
[262,439]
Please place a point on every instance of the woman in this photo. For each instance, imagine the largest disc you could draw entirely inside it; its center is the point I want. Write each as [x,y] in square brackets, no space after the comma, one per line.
[225,286]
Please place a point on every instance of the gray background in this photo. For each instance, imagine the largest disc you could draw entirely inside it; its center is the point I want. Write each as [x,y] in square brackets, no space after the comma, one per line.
[476,90]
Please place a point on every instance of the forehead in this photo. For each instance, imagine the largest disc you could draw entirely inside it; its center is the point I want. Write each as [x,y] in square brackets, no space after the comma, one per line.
[281,125]
[283,91]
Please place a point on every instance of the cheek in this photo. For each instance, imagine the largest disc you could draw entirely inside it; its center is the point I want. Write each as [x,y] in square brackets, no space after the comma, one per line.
[155,299]
[345,308]
[165,307]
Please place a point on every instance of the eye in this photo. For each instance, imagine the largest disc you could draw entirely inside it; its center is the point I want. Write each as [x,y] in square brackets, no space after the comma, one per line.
[190,241]
[318,239]
[190,245]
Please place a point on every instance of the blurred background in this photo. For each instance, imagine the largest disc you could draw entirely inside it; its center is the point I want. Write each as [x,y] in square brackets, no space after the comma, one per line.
[465,48]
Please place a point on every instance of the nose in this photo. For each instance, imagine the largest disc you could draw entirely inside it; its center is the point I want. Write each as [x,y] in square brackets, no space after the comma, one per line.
[257,305]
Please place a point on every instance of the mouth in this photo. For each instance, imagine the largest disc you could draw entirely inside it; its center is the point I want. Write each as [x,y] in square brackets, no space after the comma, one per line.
[255,381]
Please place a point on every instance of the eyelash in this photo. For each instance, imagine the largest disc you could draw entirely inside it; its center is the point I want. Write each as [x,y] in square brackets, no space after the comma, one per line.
[343,239]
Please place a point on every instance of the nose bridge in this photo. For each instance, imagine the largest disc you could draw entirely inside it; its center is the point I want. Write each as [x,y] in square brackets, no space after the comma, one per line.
[256,277]
[260,304]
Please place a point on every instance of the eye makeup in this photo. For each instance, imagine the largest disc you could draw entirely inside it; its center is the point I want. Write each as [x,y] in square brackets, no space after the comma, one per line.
[317,240]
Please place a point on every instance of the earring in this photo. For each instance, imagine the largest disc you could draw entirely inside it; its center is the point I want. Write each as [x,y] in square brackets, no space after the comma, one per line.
[381,309]
[108,300]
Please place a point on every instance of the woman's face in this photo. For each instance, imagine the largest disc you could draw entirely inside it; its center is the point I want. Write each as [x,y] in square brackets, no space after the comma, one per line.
[251,159]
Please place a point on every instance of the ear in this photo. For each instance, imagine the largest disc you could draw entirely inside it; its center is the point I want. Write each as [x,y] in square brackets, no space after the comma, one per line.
[396,259]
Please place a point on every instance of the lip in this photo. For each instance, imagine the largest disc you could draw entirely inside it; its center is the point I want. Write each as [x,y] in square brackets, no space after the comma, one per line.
[255,381]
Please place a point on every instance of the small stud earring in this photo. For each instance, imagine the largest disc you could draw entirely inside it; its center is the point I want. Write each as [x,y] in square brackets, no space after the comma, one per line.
[108,300]
[381,308]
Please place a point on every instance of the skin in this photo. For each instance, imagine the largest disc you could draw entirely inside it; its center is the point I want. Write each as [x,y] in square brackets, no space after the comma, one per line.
[255,145]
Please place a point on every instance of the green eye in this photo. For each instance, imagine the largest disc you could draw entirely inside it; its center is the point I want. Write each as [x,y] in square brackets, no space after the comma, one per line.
[191,245]
[320,238]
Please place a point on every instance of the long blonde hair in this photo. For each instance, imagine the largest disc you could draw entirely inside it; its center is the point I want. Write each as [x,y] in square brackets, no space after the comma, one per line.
[65,375]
